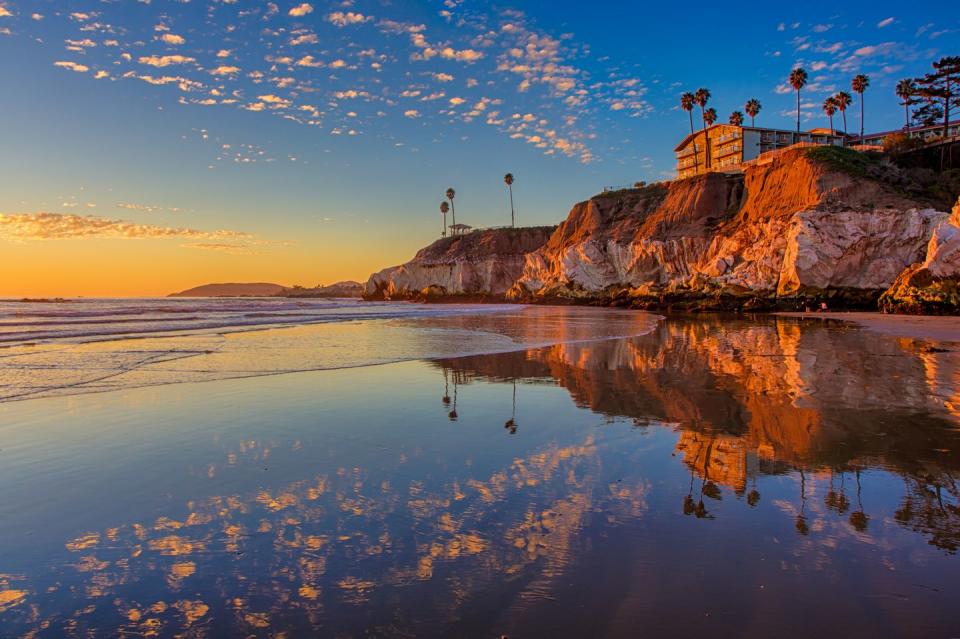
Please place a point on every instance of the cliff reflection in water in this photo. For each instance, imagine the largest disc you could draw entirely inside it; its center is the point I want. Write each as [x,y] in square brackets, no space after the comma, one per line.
[827,449]
[770,397]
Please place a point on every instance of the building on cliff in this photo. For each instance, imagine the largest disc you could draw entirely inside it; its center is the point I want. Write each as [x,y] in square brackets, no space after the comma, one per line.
[724,147]
[927,133]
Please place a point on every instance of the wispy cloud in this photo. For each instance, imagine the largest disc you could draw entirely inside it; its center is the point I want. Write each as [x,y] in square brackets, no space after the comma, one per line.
[55,226]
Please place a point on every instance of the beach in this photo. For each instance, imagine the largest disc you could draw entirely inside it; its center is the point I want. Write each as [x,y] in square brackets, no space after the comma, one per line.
[525,471]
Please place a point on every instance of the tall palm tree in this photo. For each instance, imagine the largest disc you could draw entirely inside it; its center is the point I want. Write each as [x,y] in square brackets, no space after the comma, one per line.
[905,91]
[736,118]
[701,97]
[450,195]
[843,100]
[859,84]
[687,100]
[710,116]
[444,207]
[752,108]
[508,180]
[830,107]
[798,80]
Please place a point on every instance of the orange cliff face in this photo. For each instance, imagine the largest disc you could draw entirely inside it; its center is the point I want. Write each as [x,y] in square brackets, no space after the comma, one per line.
[810,224]
[748,395]
[794,227]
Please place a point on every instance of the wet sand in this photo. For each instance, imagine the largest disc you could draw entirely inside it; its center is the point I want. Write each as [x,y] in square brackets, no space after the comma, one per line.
[923,327]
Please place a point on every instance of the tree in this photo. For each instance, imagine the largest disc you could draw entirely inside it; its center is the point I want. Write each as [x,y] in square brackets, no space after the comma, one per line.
[450,195]
[710,116]
[830,107]
[687,100]
[843,100]
[508,180]
[736,118]
[859,84]
[752,108]
[798,80]
[940,96]
[444,207]
[701,97]
[905,91]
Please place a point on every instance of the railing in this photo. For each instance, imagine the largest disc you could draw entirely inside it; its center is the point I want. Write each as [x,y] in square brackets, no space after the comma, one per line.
[728,136]
[727,150]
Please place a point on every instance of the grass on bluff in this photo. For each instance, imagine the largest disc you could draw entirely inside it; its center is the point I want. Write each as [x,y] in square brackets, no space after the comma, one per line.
[842,159]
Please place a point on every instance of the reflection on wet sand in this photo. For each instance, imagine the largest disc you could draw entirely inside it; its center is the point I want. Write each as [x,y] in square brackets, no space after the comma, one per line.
[825,425]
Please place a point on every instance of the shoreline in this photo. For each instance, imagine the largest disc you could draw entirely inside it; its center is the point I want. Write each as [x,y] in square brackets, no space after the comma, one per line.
[932,328]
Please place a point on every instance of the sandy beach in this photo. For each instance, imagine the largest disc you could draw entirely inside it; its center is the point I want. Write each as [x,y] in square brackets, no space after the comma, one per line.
[924,327]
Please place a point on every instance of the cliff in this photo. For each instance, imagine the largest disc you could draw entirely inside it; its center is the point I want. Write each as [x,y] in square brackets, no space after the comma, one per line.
[258,289]
[811,225]
[479,265]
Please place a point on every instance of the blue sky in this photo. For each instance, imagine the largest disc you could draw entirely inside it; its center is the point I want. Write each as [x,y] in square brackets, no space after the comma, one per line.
[312,141]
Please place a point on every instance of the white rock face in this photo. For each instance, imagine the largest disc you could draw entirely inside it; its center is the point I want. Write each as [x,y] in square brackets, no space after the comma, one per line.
[943,250]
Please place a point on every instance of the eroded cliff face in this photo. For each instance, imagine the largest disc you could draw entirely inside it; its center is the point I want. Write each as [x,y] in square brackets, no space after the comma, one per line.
[811,225]
[933,285]
[483,264]
[788,230]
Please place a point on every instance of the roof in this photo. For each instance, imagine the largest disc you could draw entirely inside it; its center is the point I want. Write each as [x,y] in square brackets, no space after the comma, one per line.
[690,136]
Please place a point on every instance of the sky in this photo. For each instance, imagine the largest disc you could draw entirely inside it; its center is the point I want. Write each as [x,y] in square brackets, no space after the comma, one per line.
[147,146]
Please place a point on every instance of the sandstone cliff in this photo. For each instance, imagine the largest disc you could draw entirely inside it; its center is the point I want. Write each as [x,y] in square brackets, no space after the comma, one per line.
[811,225]
[797,228]
[480,265]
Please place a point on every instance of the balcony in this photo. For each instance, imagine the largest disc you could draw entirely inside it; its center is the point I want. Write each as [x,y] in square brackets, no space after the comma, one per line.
[729,136]
[727,150]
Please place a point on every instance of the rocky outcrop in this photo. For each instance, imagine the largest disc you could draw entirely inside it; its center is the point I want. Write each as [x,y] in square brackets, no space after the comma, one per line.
[482,265]
[811,225]
[788,231]
[933,285]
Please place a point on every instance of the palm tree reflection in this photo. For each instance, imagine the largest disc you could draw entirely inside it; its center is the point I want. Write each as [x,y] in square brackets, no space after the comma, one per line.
[511,424]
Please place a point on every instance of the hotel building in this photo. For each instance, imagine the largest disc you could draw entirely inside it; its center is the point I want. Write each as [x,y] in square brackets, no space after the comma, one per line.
[730,146]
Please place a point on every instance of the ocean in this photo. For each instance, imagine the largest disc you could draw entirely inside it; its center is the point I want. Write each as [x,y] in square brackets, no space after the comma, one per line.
[259,467]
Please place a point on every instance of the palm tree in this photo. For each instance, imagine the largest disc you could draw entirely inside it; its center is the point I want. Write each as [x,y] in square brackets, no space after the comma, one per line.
[444,207]
[843,100]
[687,100]
[701,97]
[508,180]
[830,107]
[752,108]
[859,84]
[710,116]
[450,195]
[905,91]
[798,80]
[736,118]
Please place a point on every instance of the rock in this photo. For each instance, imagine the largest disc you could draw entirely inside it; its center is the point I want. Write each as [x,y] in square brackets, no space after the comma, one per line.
[479,265]
[933,285]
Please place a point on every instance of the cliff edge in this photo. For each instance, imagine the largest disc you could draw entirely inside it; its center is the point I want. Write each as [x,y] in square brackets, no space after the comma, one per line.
[482,265]
[810,225]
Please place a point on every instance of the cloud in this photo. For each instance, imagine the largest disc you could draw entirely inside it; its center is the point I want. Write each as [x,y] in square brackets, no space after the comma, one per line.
[224,69]
[341,19]
[165,60]
[56,226]
[885,23]
[301,10]
[4,12]
[411,113]
[73,66]
[171,38]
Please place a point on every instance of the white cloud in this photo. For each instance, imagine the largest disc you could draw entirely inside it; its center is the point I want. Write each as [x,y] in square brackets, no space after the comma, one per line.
[171,38]
[165,60]
[341,19]
[411,113]
[885,23]
[301,10]
[73,66]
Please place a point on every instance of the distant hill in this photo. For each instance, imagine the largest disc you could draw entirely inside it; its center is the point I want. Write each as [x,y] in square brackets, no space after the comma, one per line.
[347,288]
[257,289]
